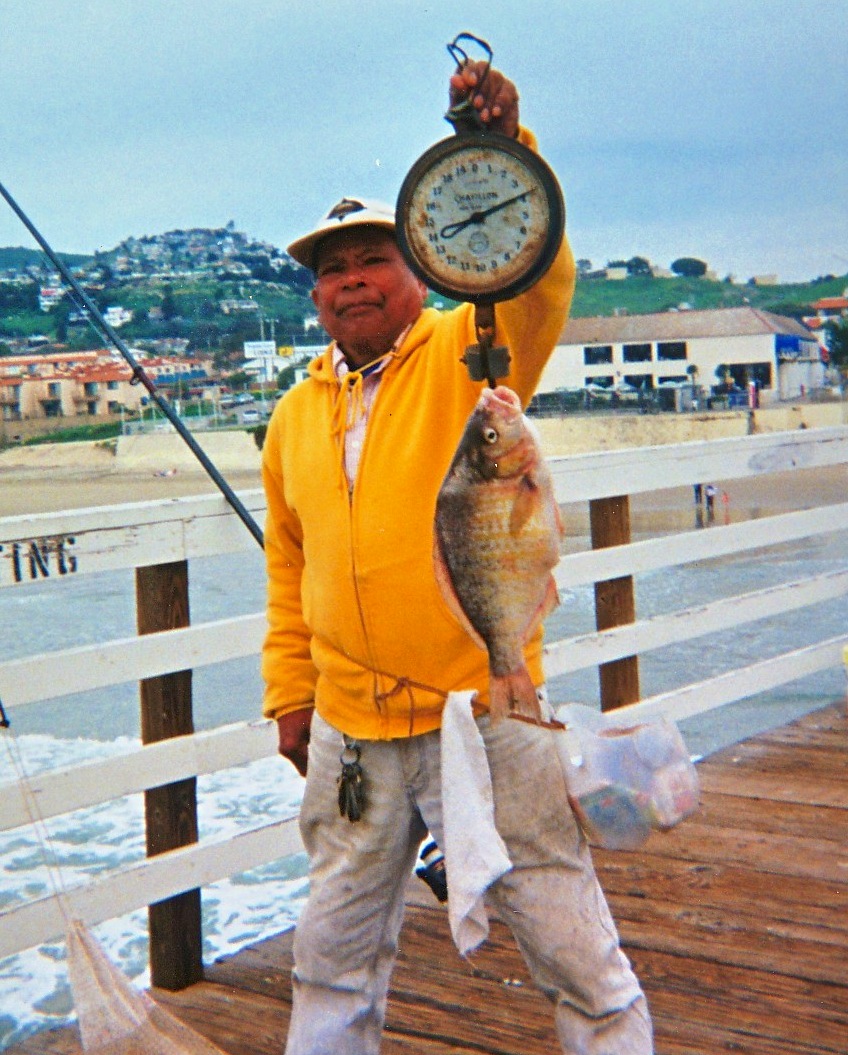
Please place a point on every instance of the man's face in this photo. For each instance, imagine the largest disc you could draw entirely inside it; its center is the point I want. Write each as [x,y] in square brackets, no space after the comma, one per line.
[364,292]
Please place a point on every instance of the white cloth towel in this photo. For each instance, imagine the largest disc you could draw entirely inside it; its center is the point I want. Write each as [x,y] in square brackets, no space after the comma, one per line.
[475,855]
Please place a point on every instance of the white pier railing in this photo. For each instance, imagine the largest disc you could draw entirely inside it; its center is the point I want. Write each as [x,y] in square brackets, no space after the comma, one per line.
[158,540]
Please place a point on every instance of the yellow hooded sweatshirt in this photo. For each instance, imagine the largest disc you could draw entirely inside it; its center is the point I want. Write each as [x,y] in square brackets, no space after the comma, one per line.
[357,625]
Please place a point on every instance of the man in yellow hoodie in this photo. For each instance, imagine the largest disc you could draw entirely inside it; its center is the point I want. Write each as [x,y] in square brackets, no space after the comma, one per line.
[362,651]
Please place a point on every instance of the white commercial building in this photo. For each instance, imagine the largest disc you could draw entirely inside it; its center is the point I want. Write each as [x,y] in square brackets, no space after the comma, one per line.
[648,352]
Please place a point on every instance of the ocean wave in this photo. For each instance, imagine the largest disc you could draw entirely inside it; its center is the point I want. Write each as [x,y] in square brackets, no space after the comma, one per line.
[34,990]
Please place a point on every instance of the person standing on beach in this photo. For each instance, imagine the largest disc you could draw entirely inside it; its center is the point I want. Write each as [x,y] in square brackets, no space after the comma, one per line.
[361,651]
[710,493]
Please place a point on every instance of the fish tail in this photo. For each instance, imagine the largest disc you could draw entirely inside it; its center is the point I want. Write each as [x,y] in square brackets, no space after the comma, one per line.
[513,693]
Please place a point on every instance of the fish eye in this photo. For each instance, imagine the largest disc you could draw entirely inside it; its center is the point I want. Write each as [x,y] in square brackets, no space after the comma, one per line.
[490,435]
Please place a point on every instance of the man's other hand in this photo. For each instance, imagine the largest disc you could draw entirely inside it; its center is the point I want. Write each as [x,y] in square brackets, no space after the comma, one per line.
[293,733]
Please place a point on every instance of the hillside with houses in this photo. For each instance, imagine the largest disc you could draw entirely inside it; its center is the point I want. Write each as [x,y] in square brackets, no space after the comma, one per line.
[212,312]
[211,289]
[190,290]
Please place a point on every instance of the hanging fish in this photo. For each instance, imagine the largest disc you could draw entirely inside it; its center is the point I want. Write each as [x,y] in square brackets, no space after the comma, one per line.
[497,537]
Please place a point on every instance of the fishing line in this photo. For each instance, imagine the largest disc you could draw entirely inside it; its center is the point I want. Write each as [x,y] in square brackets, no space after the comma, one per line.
[35,818]
[139,376]
[111,1014]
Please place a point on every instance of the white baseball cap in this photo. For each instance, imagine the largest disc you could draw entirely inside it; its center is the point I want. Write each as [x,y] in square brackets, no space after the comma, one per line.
[349,212]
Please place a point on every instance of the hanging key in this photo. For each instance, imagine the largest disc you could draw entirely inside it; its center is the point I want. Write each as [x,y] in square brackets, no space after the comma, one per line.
[351,782]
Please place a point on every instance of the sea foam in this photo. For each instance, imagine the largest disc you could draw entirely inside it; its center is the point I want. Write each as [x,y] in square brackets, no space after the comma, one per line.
[34,991]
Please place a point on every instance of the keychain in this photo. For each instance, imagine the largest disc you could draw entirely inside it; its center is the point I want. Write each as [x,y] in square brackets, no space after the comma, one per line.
[351,782]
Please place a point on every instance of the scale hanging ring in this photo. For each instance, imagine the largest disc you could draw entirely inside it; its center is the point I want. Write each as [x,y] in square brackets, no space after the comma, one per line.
[463,115]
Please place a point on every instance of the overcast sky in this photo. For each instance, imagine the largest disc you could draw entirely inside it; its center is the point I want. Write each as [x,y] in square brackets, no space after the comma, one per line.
[708,128]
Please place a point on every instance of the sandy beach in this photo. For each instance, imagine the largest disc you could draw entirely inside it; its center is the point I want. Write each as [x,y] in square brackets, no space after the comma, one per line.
[48,490]
[52,477]
[59,478]
[159,465]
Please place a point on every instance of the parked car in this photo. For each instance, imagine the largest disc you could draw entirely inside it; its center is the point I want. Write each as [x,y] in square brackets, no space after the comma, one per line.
[250,417]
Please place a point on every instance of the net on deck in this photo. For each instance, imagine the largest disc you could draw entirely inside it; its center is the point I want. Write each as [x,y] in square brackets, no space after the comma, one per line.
[115,1018]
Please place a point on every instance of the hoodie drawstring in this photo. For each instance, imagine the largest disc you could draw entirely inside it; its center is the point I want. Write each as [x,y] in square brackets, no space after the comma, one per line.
[406,685]
[349,405]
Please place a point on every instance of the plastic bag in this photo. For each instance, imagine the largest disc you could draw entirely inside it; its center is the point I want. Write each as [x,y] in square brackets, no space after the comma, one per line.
[624,781]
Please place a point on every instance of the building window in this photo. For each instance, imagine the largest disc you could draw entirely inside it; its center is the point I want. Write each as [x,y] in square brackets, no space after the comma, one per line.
[53,389]
[636,353]
[595,355]
[759,372]
[642,381]
[673,379]
[671,350]
[112,386]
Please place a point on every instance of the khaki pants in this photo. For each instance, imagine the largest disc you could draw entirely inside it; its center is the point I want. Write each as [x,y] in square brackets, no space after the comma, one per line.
[346,939]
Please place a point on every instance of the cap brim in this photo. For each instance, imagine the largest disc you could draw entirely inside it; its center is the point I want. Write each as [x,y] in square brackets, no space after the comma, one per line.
[303,249]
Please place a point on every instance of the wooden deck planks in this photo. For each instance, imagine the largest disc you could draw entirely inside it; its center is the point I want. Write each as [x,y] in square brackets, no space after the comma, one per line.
[736,924]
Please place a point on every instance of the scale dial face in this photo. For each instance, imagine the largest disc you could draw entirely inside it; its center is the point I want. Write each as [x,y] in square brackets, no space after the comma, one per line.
[480,217]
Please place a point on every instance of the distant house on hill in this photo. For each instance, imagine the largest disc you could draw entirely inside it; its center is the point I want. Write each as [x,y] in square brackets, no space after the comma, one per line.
[830,309]
[117,316]
[228,307]
[647,352]
[49,296]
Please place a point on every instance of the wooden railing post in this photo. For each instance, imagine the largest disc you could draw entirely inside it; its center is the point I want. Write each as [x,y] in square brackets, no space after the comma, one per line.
[176,959]
[615,601]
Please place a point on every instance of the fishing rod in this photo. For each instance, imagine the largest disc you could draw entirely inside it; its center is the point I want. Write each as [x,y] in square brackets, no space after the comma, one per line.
[139,376]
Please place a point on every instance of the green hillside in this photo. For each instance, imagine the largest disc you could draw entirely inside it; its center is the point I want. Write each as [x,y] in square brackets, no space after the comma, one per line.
[197,306]
[13,258]
[642,296]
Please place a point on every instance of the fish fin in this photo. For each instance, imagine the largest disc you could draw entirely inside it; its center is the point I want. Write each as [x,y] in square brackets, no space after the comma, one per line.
[513,693]
[445,584]
[549,602]
[525,505]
